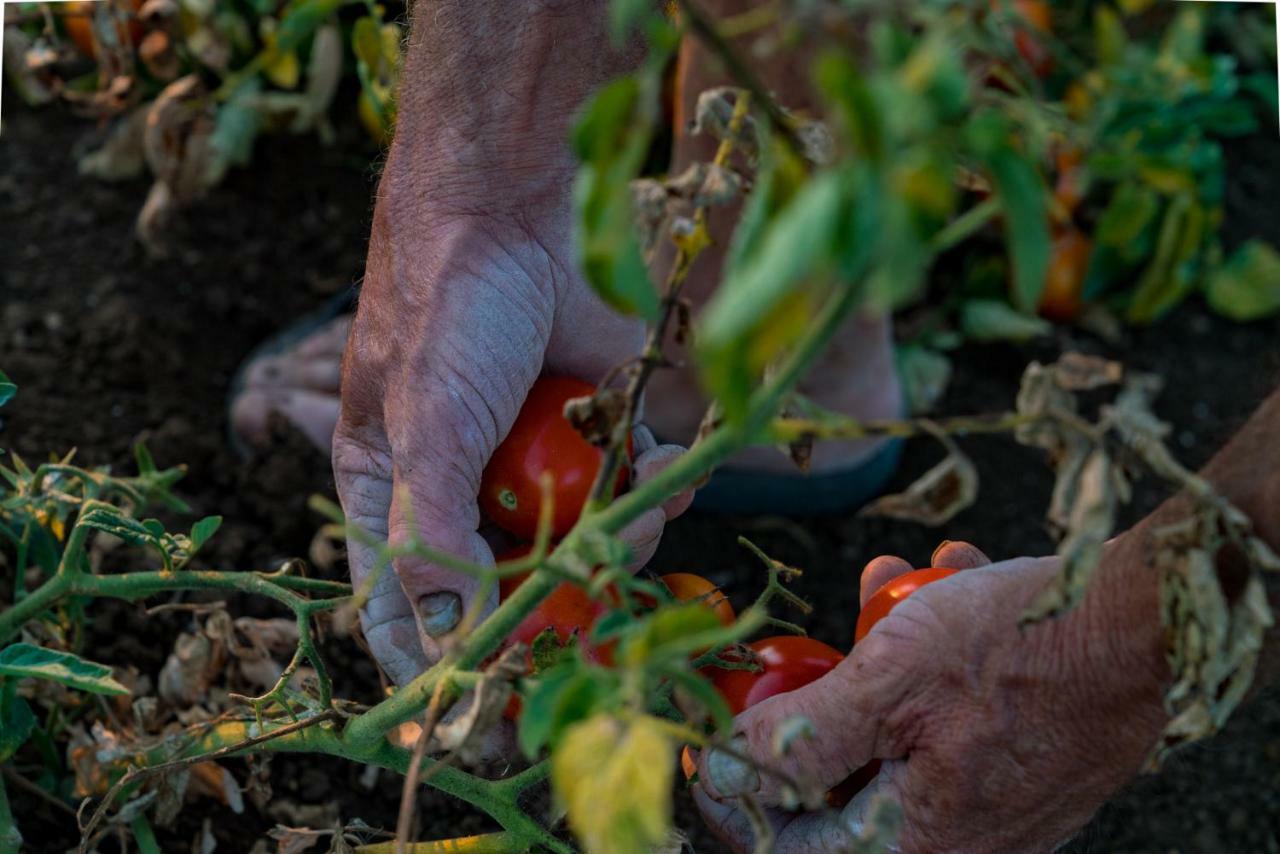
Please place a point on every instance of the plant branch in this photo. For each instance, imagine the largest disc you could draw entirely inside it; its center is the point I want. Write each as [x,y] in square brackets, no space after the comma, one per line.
[704,27]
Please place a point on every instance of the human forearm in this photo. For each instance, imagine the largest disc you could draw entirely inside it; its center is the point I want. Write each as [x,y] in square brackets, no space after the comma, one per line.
[488,94]
[1121,612]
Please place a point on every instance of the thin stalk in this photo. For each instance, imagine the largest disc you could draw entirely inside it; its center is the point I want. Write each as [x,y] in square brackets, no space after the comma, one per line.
[41,599]
[10,838]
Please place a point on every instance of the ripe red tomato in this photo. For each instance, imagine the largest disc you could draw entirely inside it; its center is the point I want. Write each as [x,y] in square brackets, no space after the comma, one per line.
[569,611]
[542,439]
[887,597]
[789,662]
[687,587]
[1063,295]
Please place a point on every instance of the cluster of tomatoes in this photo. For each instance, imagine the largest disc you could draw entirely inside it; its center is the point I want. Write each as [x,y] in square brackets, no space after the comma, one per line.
[543,440]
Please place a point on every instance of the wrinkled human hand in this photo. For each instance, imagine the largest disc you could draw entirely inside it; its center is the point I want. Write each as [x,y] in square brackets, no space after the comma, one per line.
[991,738]
[459,314]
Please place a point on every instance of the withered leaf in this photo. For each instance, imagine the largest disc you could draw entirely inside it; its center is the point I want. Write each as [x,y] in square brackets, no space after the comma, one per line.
[937,496]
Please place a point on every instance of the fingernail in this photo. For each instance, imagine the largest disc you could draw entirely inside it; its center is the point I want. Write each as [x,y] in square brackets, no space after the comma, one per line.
[440,612]
[933,558]
[730,775]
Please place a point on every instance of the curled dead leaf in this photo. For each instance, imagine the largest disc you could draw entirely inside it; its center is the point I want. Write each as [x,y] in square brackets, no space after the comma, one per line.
[937,496]
[598,416]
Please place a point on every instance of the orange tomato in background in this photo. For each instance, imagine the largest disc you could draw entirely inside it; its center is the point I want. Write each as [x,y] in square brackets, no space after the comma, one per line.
[1063,294]
[687,587]
[77,22]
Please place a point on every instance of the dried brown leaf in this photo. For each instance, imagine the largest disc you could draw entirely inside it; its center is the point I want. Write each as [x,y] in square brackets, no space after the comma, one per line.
[937,496]
[598,416]
[171,791]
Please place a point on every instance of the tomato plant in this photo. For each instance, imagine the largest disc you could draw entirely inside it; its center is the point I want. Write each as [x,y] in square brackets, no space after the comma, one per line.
[542,440]
[890,594]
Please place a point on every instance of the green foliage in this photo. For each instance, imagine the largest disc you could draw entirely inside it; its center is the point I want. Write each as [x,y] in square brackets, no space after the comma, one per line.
[1247,287]
[24,660]
[612,139]
[7,389]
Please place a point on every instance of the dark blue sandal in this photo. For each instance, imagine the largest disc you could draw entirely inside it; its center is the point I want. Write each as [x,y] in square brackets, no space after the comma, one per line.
[286,339]
[754,493]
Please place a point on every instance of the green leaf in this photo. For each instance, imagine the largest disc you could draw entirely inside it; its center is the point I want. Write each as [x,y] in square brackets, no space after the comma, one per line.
[614,778]
[844,86]
[1247,287]
[16,723]
[1022,194]
[21,660]
[1170,277]
[1109,37]
[1133,207]
[995,320]
[612,139]
[538,708]
[925,375]
[301,19]
[235,129]
[142,457]
[767,300]
[203,530]
[366,42]
[665,630]
[707,696]
[625,16]
[7,389]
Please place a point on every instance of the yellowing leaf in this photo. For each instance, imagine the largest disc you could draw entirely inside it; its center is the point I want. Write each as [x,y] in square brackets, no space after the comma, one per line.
[614,778]
[283,69]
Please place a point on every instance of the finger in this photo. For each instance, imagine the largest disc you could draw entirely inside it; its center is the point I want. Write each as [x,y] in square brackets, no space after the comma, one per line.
[441,595]
[329,340]
[362,474]
[649,464]
[294,371]
[314,414]
[730,823]
[957,554]
[844,710]
[879,572]
[797,833]
[645,532]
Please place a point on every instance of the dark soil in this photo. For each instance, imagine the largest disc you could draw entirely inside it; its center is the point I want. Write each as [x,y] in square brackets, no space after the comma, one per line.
[109,347]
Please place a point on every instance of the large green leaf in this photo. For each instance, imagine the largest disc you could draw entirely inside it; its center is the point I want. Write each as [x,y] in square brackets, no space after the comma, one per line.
[768,298]
[1171,274]
[7,389]
[994,320]
[612,139]
[1022,193]
[21,660]
[16,723]
[1247,287]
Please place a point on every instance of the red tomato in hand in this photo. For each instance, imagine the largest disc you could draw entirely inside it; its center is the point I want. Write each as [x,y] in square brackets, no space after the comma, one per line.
[687,587]
[788,661]
[893,592]
[542,439]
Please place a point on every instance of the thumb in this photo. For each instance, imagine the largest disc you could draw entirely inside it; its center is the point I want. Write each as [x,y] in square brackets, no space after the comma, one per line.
[811,738]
